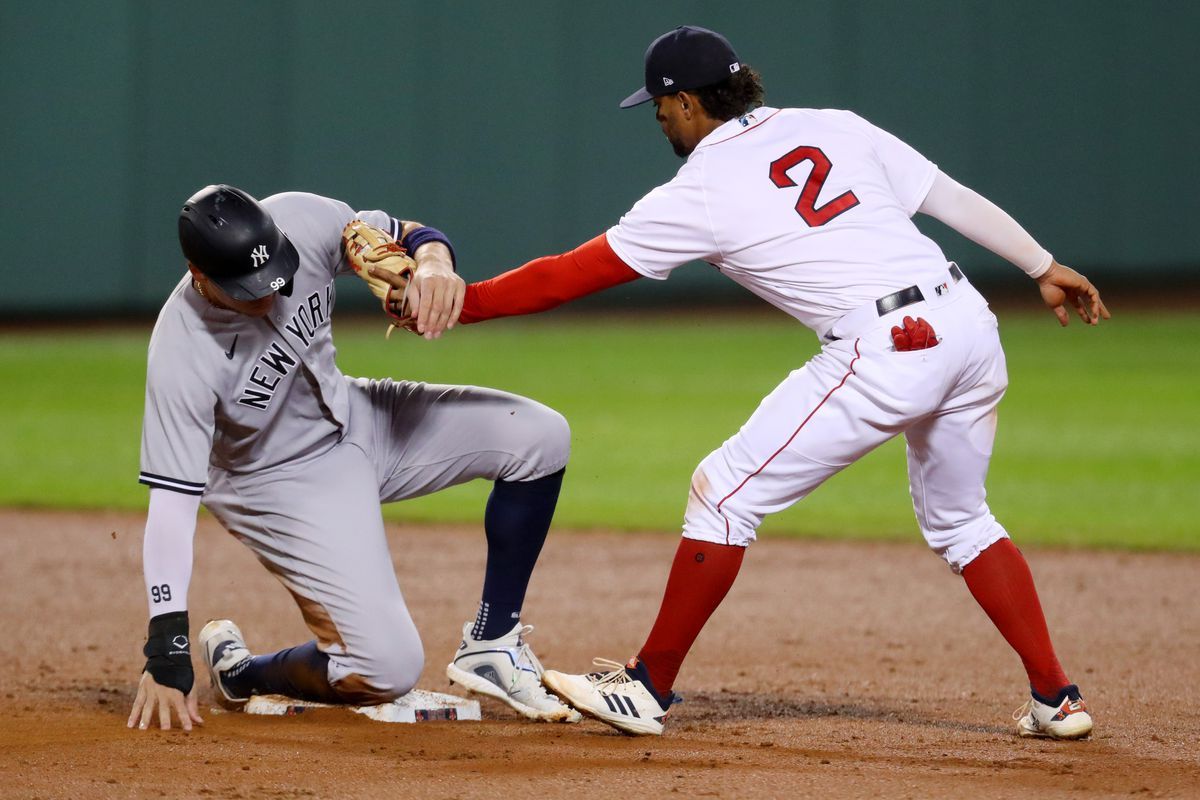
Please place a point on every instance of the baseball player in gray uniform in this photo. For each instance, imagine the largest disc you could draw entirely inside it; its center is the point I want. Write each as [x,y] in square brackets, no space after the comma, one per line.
[247,412]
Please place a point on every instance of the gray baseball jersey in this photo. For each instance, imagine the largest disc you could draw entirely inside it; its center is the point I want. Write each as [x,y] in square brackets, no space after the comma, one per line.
[294,458]
[245,394]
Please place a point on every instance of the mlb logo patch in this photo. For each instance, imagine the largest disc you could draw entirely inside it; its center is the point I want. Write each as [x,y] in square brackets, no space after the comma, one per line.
[941,289]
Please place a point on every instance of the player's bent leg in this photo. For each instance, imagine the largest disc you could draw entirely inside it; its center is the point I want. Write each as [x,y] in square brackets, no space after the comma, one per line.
[333,557]
[811,426]
[462,433]
[423,438]
[299,672]
[792,442]
[819,420]
[385,668]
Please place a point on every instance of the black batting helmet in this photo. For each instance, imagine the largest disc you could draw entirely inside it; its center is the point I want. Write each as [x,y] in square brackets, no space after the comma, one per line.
[228,235]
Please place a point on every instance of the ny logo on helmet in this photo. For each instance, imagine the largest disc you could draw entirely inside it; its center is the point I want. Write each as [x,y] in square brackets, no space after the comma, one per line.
[259,255]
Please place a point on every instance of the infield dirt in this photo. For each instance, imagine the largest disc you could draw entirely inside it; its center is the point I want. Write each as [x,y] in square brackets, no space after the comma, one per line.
[832,669]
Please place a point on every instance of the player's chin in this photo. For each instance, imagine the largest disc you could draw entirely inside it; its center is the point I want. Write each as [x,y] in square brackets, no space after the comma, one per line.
[681,149]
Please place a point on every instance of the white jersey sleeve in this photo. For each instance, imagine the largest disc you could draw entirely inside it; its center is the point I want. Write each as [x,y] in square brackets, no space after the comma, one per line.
[985,223]
[668,227]
[909,173]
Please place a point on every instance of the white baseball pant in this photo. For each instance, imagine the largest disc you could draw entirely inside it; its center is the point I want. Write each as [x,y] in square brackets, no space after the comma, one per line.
[853,396]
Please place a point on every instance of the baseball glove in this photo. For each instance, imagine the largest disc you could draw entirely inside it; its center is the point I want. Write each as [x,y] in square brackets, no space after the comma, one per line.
[369,247]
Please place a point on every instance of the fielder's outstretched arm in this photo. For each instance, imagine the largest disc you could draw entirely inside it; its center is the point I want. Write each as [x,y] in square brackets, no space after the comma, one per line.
[168,681]
[986,224]
[547,282]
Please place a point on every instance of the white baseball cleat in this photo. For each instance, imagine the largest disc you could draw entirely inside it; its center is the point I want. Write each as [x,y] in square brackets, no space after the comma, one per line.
[224,651]
[1066,717]
[620,696]
[507,670]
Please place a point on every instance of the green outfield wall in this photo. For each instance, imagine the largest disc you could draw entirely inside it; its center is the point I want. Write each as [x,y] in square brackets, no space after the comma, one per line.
[499,123]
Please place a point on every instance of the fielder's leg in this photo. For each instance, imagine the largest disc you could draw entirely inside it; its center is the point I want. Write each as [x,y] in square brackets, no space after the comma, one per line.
[948,456]
[822,418]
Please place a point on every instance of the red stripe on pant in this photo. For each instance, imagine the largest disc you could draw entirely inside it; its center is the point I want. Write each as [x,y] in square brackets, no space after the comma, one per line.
[795,433]
[701,576]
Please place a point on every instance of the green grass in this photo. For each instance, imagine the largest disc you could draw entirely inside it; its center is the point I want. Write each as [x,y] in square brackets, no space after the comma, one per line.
[1098,445]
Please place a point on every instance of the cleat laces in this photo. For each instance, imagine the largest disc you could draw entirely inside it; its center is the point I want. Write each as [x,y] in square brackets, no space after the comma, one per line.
[529,687]
[612,677]
[525,654]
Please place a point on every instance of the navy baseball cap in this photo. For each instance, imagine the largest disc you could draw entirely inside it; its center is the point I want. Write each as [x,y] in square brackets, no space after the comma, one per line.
[683,59]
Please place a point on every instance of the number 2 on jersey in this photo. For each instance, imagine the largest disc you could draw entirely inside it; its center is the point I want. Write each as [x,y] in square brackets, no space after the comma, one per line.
[806,206]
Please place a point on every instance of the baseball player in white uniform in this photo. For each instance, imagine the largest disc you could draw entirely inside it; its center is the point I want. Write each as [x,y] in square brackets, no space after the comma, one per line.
[247,412]
[811,210]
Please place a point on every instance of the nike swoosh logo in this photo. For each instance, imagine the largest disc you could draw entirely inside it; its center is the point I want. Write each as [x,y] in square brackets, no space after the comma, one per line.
[232,347]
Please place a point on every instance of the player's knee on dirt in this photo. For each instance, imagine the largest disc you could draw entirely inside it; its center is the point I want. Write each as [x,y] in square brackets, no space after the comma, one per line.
[383,658]
[380,677]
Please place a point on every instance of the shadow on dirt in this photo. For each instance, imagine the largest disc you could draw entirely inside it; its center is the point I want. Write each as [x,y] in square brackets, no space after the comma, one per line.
[703,706]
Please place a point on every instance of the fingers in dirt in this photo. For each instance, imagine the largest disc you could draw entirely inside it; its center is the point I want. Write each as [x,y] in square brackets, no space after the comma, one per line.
[138,702]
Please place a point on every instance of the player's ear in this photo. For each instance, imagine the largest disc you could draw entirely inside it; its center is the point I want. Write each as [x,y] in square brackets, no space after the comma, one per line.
[689,104]
[195,272]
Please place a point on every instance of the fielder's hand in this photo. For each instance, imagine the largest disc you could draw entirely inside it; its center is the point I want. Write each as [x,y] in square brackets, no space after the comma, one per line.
[152,696]
[435,292]
[1060,285]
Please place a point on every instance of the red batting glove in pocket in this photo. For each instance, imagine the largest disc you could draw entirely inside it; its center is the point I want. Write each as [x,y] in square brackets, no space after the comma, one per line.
[916,334]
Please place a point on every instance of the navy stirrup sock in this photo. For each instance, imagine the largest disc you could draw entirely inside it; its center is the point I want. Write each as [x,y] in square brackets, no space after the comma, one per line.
[516,521]
[300,672]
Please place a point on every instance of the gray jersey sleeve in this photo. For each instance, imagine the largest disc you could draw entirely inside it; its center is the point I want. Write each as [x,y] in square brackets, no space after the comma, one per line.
[179,419]
[314,224]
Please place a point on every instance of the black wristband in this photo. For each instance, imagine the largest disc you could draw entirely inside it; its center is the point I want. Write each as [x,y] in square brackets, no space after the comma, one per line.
[423,235]
[168,651]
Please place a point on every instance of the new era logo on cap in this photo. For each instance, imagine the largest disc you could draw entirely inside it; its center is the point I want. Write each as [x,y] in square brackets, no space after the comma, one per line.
[692,57]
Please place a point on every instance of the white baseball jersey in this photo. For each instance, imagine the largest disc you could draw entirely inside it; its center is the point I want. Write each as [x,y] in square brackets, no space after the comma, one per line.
[812,211]
[809,209]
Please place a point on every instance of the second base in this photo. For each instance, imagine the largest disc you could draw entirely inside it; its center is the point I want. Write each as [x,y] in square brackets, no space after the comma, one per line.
[416,706]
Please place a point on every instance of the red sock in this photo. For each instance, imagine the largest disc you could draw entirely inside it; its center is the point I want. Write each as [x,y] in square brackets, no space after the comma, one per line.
[700,578]
[1000,580]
